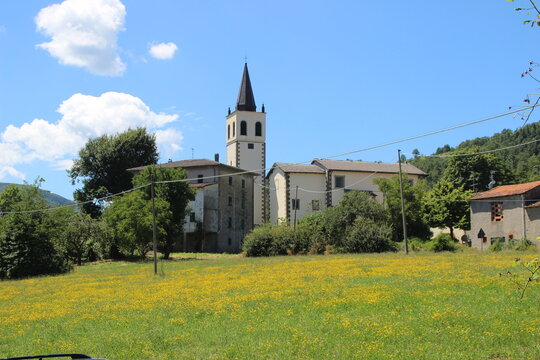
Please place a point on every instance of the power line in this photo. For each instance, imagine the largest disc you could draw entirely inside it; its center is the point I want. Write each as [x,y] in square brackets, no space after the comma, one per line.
[480,152]
[299,163]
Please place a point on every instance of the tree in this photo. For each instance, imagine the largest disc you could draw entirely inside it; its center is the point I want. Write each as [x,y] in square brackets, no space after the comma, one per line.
[26,244]
[475,172]
[447,205]
[413,195]
[176,194]
[333,226]
[103,162]
[130,218]
[82,238]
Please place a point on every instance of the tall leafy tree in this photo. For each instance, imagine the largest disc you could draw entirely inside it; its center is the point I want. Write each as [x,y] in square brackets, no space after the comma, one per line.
[26,236]
[176,194]
[477,171]
[447,205]
[413,195]
[130,218]
[103,162]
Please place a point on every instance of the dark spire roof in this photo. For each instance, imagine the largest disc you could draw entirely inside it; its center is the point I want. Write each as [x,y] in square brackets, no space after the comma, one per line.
[246,100]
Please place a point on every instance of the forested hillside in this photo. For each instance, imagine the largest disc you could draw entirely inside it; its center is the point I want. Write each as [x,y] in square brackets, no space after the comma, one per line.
[522,161]
[52,198]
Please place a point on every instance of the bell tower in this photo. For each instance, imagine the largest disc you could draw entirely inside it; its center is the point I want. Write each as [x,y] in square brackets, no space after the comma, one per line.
[246,141]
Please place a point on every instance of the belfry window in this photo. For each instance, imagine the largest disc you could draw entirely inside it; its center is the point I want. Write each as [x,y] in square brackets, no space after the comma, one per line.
[243,128]
[258,128]
[228,132]
[233,129]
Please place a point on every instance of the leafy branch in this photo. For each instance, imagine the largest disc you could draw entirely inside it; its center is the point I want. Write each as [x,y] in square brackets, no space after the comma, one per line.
[533,8]
[530,272]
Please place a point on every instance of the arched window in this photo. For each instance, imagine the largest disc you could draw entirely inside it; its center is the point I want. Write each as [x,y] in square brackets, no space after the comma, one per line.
[243,128]
[228,132]
[233,129]
[258,129]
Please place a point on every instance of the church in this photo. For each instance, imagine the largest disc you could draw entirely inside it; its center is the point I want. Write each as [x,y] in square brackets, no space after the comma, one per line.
[235,196]
[289,192]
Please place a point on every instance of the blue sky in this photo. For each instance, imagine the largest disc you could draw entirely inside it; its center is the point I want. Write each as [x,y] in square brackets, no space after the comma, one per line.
[335,76]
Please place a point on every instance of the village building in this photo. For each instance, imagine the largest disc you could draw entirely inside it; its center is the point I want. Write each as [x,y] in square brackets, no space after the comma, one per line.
[295,190]
[222,212]
[504,213]
[246,141]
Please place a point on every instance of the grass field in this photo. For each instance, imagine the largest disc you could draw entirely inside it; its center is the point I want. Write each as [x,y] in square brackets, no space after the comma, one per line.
[390,306]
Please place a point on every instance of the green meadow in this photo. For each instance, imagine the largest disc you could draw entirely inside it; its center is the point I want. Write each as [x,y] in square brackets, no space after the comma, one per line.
[377,306]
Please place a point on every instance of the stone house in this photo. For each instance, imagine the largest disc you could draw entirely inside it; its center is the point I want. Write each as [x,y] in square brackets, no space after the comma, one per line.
[506,212]
[222,212]
[295,191]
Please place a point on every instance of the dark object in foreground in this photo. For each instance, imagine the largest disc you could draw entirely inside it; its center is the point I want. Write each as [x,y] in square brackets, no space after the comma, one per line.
[70,356]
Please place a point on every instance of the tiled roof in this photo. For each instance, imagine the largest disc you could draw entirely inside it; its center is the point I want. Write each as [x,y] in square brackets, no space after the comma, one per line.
[191,163]
[299,168]
[348,165]
[507,190]
[201,185]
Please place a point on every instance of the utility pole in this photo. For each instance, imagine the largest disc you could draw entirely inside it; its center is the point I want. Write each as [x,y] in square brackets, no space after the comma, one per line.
[402,205]
[154,236]
[295,206]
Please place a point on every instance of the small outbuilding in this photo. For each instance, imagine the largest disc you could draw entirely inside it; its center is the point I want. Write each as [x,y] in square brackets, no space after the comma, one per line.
[504,213]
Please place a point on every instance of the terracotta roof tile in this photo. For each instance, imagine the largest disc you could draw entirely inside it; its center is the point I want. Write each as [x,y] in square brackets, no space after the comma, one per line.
[299,168]
[507,190]
[348,165]
[201,185]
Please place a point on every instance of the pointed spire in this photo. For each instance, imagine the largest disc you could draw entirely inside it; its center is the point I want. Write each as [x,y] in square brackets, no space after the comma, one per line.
[246,100]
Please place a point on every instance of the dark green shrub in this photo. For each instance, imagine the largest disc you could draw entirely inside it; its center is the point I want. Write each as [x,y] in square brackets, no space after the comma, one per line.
[524,245]
[259,241]
[442,242]
[497,245]
[366,236]
[417,244]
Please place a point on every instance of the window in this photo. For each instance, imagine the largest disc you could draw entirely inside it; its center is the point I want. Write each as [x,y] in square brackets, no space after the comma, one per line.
[233,128]
[315,205]
[242,224]
[230,180]
[251,146]
[243,128]
[243,201]
[200,178]
[192,217]
[230,241]
[243,183]
[228,132]
[296,204]
[229,225]
[258,129]
[497,211]
[340,181]
[230,200]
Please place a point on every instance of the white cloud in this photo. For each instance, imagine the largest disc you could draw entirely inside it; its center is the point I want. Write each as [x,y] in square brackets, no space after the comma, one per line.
[84,34]
[168,142]
[163,51]
[83,117]
[10,171]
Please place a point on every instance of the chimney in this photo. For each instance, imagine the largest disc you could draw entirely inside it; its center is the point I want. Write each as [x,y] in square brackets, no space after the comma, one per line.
[216,157]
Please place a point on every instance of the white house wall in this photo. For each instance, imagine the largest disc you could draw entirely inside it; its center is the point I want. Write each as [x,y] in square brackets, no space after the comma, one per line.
[361,181]
[277,196]
[310,187]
